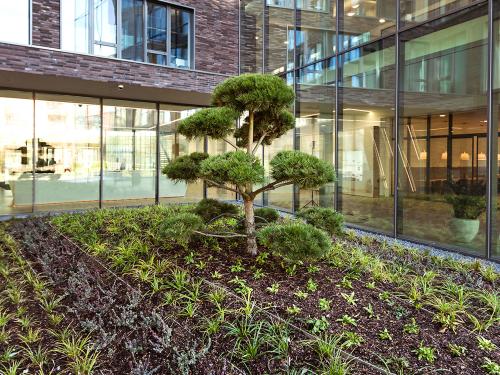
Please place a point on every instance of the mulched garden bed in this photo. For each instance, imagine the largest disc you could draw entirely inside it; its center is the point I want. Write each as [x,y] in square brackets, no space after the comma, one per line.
[371,316]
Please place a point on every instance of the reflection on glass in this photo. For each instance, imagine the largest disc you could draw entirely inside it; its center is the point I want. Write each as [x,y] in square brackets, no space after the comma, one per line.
[172,146]
[281,198]
[180,28]
[105,28]
[67,141]
[157,33]
[419,11]
[251,34]
[132,46]
[442,146]
[75,25]
[129,153]
[217,147]
[362,21]
[366,135]
[279,42]
[315,128]
[16,152]
[310,5]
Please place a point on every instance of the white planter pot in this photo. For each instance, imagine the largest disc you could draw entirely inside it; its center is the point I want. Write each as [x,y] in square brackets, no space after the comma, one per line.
[464,230]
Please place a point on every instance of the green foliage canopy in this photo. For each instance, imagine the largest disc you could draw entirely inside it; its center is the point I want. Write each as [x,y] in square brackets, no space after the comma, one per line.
[267,124]
[254,92]
[295,241]
[323,218]
[216,123]
[236,168]
[209,209]
[302,169]
[185,168]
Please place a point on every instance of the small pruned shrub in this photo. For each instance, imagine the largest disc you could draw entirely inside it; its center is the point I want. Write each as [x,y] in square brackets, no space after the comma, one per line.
[209,209]
[295,241]
[323,218]
[266,215]
[180,227]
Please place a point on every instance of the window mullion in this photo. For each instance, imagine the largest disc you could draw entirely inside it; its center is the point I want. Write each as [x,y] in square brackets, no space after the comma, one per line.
[169,35]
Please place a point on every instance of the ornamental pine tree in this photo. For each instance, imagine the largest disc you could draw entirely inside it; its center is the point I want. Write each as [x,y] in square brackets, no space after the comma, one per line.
[265,100]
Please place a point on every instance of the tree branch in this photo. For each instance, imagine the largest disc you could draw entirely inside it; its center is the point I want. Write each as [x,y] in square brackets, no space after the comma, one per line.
[220,186]
[230,143]
[259,142]
[271,186]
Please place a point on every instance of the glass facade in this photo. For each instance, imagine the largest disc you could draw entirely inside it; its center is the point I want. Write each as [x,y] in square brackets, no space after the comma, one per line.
[399,103]
[89,152]
[137,30]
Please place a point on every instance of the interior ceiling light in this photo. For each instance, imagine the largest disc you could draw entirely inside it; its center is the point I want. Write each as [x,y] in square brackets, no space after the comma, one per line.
[444,156]
[382,20]
[442,115]
[350,14]
[121,87]
[355,6]
[464,156]
[481,156]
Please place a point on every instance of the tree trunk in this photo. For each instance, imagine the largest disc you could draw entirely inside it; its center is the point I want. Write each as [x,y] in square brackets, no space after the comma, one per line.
[250,133]
[250,227]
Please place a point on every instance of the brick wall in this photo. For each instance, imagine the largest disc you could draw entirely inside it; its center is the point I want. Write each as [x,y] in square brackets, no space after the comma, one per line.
[216,31]
[46,23]
[41,61]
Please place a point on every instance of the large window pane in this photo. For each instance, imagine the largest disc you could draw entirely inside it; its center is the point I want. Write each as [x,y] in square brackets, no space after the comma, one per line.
[172,146]
[129,153]
[132,46]
[362,21]
[366,123]
[279,40]
[443,131]
[251,35]
[180,35]
[316,136]
[105,24]
[281,198]
[15,21]
[415,11]
[16,152]
[67,141]
[75,18]
[157,33]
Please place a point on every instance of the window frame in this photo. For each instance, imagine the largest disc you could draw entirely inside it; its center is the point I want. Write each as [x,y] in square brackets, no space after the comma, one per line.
[118,45]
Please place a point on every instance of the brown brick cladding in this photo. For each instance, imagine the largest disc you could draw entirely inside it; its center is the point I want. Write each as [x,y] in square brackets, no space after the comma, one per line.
[44,61]
[46,23]
[216,49]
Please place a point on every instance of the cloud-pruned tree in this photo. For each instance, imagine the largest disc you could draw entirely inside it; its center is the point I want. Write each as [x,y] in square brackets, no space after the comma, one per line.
[265,101]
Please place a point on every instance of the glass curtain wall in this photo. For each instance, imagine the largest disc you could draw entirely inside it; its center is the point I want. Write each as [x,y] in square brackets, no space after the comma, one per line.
[129,149]
[67,152]
[348,115]
[366,142]
[443,131]
[16,152]
[172,146]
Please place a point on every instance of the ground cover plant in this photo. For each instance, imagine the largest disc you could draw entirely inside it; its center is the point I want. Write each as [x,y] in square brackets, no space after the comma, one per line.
[397,308]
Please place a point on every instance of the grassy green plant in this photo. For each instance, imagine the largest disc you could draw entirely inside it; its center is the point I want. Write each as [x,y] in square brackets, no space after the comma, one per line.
[318,325]
[490,367]
[485,344]
[411,328]
[347,320]
[457,350]
[385,335]
[324,304]
[425,353]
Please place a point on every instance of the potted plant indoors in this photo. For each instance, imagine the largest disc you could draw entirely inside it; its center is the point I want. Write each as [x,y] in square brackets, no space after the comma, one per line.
[468,205]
